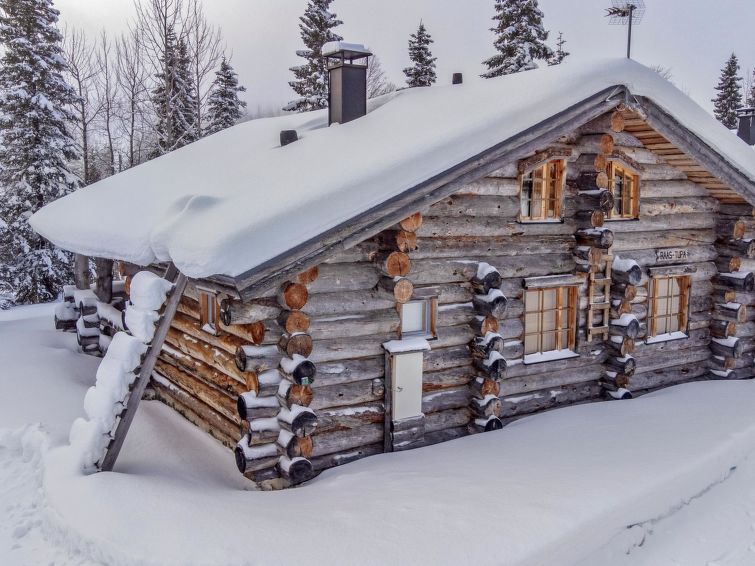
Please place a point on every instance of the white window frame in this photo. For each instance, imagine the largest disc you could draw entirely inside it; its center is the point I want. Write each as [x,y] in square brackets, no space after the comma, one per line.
[429,316]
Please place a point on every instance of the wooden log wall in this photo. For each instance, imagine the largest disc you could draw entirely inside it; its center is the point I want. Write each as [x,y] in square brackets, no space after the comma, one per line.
[257,373]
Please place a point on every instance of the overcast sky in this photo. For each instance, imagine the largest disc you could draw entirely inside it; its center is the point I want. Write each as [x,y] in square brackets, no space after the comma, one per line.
[691,37]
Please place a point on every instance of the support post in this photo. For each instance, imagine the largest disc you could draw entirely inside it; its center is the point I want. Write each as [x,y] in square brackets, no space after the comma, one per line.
[81,271]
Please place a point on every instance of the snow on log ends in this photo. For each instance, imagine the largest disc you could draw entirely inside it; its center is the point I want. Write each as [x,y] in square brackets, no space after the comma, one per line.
[89,437]
[192,205]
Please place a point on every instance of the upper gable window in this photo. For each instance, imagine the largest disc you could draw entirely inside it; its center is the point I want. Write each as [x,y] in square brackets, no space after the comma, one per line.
[541,192]
[624,184]
[208,311]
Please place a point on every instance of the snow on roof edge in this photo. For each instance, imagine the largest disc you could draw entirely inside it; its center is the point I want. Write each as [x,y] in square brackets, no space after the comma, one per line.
[208,201]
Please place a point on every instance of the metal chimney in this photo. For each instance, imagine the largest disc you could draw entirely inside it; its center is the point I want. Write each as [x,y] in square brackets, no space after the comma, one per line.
[746,129]
[347,71]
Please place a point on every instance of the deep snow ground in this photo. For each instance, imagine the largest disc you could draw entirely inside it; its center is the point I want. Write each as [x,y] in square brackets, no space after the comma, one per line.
[557,488]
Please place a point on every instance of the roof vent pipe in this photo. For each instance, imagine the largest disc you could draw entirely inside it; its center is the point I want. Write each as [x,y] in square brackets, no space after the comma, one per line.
[288,136]
[457,79]
[347,76]
[746,129]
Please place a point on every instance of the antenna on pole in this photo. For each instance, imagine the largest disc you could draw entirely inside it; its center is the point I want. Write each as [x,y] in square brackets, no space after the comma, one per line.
[626,12]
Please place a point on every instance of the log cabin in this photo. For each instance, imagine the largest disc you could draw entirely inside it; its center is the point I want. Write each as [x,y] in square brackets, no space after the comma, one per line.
[435,263]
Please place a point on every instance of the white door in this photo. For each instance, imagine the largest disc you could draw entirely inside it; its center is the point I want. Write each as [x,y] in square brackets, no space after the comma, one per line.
[407,385]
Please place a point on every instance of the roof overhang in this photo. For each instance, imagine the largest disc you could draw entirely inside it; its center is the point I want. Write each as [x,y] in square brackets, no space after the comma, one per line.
[286,266]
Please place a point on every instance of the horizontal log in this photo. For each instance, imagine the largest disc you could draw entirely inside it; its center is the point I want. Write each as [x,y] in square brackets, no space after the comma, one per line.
[257,358]
[345,418]
[450,377]
[204,352]
[452,398]
[234,312]
[665,205]
[345,457]
[348,394]
[722,328]
[380,322]
[339,441]
[296,470]
[198,413]
[411,223]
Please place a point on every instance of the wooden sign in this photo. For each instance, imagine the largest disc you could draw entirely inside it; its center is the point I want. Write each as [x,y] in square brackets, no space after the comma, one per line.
[679,254]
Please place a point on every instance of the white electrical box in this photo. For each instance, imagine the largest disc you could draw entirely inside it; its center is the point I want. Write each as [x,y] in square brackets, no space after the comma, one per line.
[407,385]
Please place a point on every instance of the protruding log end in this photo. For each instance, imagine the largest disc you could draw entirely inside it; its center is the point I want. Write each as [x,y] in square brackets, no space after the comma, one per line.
[617,122]
[293,295]
[298,343]
[627,325]
[595,237]
[491,304]
[308,276]
[296,470]
[299,370]
[484,324]
[293,321]
[411,223]
[486,278]
[394,264]
[606,144]
[399,288]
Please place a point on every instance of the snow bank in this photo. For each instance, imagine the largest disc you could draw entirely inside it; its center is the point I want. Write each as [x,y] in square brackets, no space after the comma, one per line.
[193,205]
[105,401]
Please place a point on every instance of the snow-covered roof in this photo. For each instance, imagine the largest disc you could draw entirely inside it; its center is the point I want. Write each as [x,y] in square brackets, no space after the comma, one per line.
[333,47]
[229,202]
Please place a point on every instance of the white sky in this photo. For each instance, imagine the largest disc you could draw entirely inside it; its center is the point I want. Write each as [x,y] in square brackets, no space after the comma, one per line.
[691,37]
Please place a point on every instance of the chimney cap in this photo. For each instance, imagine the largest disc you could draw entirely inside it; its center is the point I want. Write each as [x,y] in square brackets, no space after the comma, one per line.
[344,50]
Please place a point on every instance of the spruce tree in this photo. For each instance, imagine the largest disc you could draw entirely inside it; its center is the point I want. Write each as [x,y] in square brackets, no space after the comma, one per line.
[224,105]
[560,54]
[174,99]
[36,148]
[422,71]
[750,93]
[520,40]
[729,97]
[311,78]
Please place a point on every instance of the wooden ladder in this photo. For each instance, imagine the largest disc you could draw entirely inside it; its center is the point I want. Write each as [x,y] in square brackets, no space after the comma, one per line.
[179,281]
[595,280]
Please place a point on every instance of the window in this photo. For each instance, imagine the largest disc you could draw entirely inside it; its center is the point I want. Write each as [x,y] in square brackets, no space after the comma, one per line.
[550,323]
[669,306]
[418,318]
[208,311]
[541,191]
[625,187]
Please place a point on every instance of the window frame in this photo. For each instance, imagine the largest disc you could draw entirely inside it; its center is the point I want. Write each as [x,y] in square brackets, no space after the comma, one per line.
[558,187]
[209,311]
[430,318]
[571,309]
[634,196]
[685,286]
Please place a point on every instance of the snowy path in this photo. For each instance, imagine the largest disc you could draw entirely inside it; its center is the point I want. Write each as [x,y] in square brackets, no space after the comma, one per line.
[558,488]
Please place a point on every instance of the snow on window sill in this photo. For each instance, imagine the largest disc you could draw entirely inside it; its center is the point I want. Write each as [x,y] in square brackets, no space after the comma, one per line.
[551,356]
[667,337]
[543,221]
[622,219]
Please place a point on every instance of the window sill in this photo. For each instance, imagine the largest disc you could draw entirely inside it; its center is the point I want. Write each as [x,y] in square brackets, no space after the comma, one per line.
[622,219]
[407,345]
[548,221]
[667,337]
[210,329]
[552,356]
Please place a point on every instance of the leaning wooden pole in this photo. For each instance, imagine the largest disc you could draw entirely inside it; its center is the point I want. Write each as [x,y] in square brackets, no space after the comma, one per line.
[121,430]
